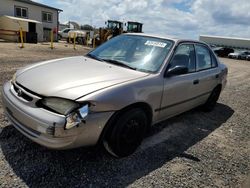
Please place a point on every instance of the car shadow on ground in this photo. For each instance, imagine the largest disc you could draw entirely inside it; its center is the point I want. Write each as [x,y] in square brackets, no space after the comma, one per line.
[40,167]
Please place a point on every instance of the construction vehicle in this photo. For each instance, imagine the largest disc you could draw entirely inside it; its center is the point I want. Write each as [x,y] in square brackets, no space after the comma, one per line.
[115,28]
[134,27]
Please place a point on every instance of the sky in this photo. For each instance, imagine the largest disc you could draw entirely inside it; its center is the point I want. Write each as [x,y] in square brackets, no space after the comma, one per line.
[179,18]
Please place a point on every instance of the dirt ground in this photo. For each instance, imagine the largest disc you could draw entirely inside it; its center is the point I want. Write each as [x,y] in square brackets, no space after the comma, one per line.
[194,149]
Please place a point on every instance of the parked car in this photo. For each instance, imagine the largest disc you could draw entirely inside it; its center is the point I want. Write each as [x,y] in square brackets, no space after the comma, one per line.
[234,55]
[113,95]
[243,55]
[238,55]
[63,34]
[248,57]
[223,51]
[79,34]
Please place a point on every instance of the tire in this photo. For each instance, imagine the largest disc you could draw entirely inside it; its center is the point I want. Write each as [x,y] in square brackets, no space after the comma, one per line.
[126,133]
[212,100]
[80,40]
[59,37]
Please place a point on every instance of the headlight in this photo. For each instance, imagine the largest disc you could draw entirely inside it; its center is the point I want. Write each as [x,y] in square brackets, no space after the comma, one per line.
[77,117]
[74,112]
[62,106]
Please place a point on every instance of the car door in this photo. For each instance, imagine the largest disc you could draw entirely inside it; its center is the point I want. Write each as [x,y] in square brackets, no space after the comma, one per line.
[176,89]
[65,33]
[206,76]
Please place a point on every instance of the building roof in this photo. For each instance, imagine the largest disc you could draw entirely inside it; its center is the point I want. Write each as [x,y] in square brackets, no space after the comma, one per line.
[20,19]
[38,4]
[221,37]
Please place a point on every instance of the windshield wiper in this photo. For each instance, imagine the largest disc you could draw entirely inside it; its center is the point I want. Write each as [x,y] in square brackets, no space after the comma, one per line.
[94,57]
[115,62]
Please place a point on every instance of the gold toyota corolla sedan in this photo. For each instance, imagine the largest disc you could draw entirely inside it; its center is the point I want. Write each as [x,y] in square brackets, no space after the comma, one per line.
[113,94]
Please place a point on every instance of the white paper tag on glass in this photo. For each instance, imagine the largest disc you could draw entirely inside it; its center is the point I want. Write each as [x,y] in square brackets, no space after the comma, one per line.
[154,43]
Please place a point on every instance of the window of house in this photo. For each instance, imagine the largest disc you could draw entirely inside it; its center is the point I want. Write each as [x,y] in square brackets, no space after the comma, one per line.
[47,17]
[21,12]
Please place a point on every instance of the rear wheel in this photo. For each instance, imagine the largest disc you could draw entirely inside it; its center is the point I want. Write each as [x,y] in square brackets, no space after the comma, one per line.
[126,133]
[212,99]
[80,40]
[59,37]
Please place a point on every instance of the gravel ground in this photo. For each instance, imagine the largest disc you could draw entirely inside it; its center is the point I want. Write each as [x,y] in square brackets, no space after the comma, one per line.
[195,149]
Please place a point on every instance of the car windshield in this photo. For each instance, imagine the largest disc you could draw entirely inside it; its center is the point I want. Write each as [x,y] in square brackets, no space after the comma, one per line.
[141,53]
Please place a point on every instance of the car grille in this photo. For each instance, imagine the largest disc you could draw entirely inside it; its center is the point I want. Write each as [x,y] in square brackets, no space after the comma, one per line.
[21,94]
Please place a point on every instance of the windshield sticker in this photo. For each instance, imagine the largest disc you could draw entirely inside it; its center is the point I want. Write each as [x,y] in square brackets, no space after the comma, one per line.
[154,43]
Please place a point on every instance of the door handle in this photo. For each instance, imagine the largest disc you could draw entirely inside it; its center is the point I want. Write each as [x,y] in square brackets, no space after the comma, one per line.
[196,82]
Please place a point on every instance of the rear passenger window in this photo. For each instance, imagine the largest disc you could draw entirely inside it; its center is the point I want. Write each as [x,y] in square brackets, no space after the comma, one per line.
[184,56]
[203,57]
[214,61]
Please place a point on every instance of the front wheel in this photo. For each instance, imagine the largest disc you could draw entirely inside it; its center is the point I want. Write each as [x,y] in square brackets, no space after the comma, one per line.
[212,100]
[126,133]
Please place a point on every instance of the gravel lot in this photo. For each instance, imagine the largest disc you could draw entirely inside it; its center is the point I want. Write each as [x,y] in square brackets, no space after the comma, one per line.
[195,149]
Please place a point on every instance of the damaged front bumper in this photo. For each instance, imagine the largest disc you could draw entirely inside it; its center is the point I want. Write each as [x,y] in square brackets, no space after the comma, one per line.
[47,128]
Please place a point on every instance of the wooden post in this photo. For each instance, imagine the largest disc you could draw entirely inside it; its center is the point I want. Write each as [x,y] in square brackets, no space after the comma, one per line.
[94,41]
[51,39]
[74,41]
[87,39]
[21,36]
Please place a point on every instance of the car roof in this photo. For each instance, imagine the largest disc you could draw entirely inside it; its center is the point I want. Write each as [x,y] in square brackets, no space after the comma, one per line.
[175,39]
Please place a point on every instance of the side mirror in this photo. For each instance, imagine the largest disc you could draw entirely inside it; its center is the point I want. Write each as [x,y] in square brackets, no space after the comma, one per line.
[177,70]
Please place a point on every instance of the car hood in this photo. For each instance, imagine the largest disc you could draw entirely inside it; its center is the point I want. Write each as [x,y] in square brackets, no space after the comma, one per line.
[73,77]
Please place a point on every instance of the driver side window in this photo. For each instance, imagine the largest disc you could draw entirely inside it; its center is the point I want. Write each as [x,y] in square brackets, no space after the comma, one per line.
[184,56]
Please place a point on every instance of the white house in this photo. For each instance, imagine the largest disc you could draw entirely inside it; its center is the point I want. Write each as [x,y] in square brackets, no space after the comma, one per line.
[36,20]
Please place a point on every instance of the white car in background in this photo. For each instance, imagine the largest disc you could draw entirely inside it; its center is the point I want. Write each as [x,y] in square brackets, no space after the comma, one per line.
[63,34]
[234,55]
[238,55]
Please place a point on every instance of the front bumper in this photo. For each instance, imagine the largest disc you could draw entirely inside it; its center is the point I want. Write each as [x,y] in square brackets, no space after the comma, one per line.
[47,128]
